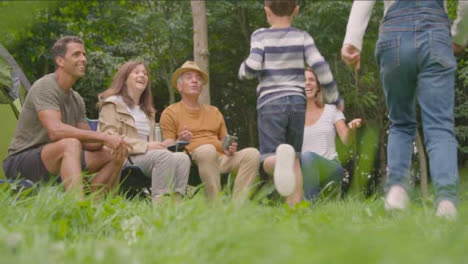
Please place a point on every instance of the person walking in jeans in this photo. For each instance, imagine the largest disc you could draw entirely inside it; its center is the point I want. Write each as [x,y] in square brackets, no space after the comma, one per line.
[415,55]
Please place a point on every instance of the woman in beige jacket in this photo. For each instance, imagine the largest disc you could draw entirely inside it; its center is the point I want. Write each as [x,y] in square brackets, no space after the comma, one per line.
[126,108]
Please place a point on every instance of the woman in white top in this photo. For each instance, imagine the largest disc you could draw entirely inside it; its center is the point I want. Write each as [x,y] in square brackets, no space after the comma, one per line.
[126,108]
[319,159]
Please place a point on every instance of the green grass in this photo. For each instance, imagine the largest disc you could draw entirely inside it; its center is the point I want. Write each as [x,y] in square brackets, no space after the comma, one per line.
[53,227]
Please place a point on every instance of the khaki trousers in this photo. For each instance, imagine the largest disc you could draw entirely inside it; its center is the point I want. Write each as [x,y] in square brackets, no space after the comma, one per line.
[210,165]
[168,171]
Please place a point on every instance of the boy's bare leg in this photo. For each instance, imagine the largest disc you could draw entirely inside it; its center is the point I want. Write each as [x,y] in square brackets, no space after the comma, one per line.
[269,165]
[64,157]
[297,195]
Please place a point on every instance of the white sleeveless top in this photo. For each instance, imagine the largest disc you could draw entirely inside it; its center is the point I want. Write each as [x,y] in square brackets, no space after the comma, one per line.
[320,136]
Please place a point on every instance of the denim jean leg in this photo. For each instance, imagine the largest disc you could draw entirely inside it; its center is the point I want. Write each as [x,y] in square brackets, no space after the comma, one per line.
[310,174]
[317,172]
[337,172]
[395,57]
[272,125]
[295,131]
[436,91]
[281,121]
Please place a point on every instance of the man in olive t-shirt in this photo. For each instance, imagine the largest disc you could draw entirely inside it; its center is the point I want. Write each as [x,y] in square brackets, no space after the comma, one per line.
[45,94]
[53,136]
[204,127]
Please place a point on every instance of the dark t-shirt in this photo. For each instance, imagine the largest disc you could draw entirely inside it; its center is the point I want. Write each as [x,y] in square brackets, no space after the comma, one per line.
[45,94]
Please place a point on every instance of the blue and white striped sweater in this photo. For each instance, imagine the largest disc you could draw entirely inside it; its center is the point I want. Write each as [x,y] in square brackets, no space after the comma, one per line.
[278,57]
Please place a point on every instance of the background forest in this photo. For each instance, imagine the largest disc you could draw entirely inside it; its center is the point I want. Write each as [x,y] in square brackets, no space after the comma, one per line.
[161,33]
[48,225]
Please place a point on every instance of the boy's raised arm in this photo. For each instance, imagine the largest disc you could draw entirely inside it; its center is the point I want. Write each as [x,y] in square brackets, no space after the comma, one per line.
[250,67]
[321,68]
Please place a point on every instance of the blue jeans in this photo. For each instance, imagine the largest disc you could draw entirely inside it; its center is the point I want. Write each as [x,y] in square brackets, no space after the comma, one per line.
[415,56]
[319,171]
[281,121]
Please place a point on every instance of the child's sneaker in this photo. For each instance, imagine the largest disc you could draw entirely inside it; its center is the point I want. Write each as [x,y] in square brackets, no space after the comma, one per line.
[284,176]
[396,199]
[446,209]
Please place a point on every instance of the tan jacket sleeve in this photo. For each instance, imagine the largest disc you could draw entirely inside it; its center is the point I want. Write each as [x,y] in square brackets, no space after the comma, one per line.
[110,122]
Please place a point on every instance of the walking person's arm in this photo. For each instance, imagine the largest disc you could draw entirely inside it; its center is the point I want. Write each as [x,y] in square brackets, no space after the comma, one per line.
[319,65]
[355,30]
[460,28]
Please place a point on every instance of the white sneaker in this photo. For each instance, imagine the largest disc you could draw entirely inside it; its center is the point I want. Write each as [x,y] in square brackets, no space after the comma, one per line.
[447,210]
[284,175]
[396,199]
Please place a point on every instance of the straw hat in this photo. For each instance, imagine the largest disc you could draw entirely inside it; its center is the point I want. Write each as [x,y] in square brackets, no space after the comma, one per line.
[188,66]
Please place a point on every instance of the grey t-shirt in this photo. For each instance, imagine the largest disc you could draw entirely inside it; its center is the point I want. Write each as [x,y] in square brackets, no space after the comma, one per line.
[45,94]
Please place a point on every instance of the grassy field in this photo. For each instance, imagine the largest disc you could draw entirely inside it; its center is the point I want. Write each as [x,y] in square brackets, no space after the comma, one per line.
[51,227]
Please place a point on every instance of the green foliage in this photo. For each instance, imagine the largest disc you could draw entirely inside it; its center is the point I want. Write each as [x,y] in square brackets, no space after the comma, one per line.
[114,32]
[461,108]
[17,15]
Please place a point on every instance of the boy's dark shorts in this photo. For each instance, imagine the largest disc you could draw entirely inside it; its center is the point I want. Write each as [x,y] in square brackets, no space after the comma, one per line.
[281,121]
[27,164]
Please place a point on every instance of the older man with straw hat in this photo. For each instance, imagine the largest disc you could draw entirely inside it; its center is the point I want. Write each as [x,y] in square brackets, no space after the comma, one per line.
[204,126]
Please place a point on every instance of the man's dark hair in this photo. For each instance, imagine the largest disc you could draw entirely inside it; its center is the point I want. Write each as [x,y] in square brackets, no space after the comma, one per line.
[281,7]
[60,46]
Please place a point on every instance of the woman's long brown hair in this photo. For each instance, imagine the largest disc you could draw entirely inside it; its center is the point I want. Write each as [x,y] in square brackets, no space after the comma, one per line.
[319,97]
[119,87]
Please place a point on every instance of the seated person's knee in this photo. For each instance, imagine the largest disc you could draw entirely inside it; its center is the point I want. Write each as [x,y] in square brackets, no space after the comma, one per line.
[308,157]
[159,155]
[206,152]
[252,154]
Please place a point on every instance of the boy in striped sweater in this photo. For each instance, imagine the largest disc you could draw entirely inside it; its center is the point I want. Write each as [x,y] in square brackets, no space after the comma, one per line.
[277,58]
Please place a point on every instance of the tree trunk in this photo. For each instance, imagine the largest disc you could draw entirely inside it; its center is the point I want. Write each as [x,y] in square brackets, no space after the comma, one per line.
[383,152]
[200,43]
[166,73]
[382,161]
[422,166]
[171,63]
